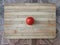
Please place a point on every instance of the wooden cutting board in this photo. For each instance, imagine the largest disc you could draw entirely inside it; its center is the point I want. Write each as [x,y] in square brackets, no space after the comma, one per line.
[44,25]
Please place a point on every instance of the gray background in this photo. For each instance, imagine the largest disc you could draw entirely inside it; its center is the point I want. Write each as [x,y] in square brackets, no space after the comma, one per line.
[4,41]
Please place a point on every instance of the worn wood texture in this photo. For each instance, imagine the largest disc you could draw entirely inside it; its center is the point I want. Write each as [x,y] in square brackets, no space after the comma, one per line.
[15,16]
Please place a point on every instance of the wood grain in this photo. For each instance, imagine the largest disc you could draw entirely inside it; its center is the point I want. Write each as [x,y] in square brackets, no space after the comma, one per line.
[45,21]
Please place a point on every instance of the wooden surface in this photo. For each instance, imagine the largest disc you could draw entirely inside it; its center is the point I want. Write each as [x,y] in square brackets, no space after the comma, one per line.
[16,27]
[55,41]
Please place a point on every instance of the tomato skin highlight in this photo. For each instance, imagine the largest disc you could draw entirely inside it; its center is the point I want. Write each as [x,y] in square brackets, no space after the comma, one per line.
[30,20]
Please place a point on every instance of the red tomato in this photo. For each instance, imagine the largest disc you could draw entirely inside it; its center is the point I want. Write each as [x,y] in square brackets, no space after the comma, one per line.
[30,20]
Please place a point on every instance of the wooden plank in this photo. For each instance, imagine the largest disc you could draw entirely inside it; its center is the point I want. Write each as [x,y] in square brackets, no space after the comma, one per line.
[15,21]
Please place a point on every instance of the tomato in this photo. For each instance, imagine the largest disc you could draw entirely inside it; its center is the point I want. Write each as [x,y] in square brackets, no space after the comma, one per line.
[30,20]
